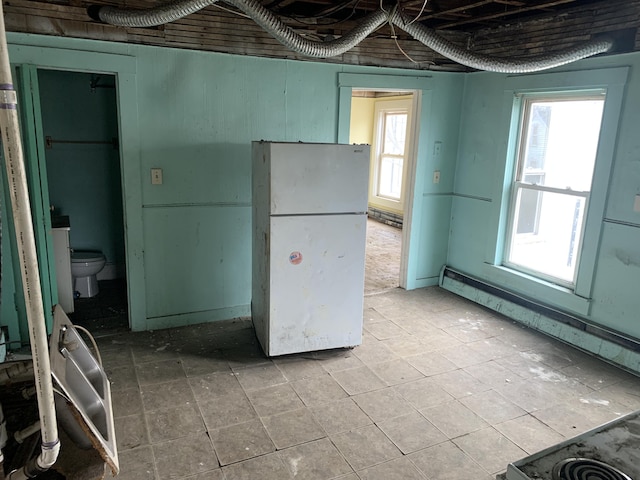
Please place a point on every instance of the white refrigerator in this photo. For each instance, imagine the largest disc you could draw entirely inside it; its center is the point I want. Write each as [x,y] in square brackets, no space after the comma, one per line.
[309,235]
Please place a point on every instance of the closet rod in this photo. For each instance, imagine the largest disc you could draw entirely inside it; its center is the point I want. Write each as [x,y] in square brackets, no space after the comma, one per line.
[49,141]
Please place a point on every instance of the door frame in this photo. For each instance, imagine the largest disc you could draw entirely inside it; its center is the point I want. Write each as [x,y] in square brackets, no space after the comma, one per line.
[123,67]
[421,88]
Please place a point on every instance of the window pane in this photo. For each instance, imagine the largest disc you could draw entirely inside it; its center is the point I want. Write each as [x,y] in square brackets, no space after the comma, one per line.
[395,131]
[561,142]
[547,232]
[390,182]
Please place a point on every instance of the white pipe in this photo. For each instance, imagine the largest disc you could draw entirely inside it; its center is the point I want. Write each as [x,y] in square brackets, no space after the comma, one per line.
[21,209]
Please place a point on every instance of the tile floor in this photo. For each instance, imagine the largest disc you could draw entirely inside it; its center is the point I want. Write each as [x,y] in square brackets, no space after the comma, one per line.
[440,389]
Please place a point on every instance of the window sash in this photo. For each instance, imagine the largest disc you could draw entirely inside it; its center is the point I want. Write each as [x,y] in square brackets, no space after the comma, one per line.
[521,186]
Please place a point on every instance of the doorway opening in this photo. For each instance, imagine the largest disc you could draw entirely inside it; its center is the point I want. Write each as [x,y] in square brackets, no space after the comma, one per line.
[385,119]
[80,128]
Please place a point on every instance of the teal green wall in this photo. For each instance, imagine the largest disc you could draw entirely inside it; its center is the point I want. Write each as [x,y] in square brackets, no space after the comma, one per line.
[84,180]
[194,114]
[611,298]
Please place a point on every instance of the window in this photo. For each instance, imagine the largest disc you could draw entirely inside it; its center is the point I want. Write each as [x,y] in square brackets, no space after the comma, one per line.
[556,155]
[392,118]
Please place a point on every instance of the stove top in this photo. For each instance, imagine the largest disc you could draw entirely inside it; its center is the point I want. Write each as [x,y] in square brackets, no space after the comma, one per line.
[586,469]
[608,452]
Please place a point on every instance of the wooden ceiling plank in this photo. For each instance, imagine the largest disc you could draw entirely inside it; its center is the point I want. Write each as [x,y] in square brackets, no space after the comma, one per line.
[493,16]
[456,9]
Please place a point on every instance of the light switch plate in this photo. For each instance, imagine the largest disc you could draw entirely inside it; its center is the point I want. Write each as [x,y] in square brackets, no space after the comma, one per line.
[436,176]
[636,204]
[156,176]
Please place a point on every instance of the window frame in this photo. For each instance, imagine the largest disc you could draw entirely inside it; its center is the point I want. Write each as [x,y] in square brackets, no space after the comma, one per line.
[383,107]
[518,184]
[613,81]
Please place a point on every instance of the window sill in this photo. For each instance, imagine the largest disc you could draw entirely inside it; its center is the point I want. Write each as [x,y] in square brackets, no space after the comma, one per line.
[538,290]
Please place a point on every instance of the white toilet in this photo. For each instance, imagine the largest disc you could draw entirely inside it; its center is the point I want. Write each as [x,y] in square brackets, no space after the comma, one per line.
[84,268]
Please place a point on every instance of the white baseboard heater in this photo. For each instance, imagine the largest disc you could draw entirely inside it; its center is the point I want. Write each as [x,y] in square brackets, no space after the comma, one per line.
[610,345]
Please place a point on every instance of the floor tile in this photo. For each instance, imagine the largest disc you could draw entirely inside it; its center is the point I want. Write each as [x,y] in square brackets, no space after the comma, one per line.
[261,376]
[365,447]
[170,423]
[396,371]
[126,402]
[154,352]
[209,475]
[273,400]
[399,469]
[240,442]
[297,368]
[423,393]
[492,407]
[493,374]
[571,420]
[226,410]
[490,449]
[463,356]
[595,374]
[338,359]
[340,416]
[383,404]
[166,395]
[137,464]
[453,419]
[468,333]
[411,432]
[131,432]
[215,385]
[209,362]
[405,346]
[358,380]
[528,433]
[121,378]
[266,467]
[184,456]
[292,428]
[318,390]
[446,461]
[385,329]
[459,383]
[431,363]
[374,352]
[493,348]
[318,460]
[159,372]
[371,315]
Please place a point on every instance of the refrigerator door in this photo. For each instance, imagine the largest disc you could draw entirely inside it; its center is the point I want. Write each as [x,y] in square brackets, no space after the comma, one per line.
[310,178]
[316,284]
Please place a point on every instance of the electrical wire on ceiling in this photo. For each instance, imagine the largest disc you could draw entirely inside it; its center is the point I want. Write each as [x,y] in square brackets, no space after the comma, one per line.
[273,25]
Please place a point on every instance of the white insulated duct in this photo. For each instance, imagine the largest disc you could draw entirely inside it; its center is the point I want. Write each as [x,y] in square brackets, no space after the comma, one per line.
[21,209]
[272,24]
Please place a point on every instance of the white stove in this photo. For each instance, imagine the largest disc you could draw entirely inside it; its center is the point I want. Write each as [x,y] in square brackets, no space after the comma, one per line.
[608,452]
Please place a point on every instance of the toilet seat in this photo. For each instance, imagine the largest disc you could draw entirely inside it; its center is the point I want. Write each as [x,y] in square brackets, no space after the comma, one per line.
[86,257]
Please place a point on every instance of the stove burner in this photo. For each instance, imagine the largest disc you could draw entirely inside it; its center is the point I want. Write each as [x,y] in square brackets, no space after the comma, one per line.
[586,469]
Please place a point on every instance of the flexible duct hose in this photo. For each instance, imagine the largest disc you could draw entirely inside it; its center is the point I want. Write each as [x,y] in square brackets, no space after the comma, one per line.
[435,42]
[272,24]
[147,18]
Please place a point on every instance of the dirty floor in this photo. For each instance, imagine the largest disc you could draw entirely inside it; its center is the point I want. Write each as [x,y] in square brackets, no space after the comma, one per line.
[382,265]
[440,390]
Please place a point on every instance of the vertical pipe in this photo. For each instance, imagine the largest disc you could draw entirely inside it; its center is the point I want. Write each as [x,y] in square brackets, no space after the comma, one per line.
[17,179]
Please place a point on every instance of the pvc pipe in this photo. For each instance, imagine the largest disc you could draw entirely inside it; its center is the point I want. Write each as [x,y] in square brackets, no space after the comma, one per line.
[21,209]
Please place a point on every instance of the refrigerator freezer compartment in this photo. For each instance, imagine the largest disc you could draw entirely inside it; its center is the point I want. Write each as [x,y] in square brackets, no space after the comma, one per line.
[327,179]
